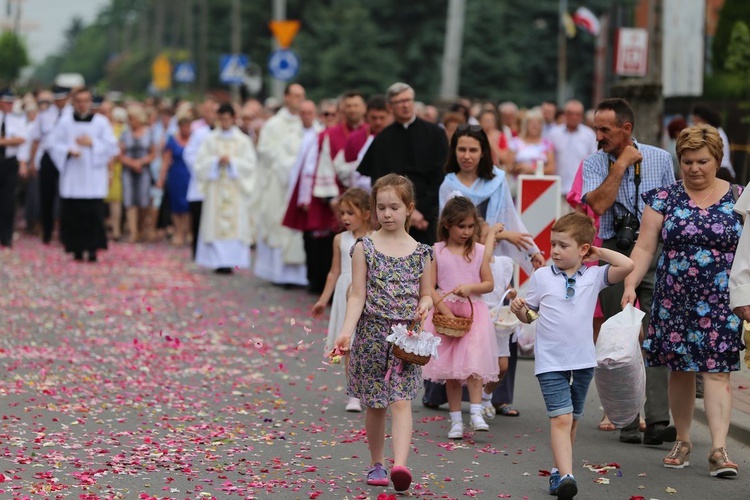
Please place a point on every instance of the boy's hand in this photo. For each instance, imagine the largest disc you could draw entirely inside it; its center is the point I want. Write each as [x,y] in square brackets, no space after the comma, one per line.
[594,255]
[317,309]
[517,305]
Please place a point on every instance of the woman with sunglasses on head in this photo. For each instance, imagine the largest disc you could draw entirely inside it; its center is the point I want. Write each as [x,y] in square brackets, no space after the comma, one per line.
[470,172]
[692,328]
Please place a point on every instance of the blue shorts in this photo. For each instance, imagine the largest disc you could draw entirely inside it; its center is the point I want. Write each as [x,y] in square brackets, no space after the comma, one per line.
[565,392]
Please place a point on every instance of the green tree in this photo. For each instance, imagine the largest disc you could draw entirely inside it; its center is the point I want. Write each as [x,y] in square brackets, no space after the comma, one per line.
[731,12]
[13,55]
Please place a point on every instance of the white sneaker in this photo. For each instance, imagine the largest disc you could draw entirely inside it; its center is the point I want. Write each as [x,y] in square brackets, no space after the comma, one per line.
[488,411]
[478,424]
[457,430]
[353,405]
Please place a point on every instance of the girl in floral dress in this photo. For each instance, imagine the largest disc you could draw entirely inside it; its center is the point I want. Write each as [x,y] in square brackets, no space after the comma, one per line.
[390,284]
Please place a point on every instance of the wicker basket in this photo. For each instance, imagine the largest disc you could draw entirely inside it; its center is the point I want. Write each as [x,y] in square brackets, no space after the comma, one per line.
[452,326]
[409,357]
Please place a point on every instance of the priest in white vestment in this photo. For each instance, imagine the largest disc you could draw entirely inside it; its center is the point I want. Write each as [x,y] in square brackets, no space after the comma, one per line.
[280,253]
[224,170]
[82,145]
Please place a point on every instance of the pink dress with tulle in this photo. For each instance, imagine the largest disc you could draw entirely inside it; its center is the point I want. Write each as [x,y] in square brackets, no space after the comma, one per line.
[474,354]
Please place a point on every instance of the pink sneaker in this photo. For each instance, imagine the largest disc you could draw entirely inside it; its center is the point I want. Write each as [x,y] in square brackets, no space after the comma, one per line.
[401,478]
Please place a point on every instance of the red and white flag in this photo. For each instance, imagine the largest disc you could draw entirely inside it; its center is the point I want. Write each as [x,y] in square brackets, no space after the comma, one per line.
[587,20]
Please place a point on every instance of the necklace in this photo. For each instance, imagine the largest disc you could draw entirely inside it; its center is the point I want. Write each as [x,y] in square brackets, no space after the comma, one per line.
[699,203]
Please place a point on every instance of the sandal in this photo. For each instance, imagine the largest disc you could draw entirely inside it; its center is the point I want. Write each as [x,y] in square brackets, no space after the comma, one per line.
[605,425]
[723,466]
[507,410]
[679,457]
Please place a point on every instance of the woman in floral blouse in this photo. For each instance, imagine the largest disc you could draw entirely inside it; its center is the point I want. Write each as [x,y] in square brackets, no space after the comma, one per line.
[692,328]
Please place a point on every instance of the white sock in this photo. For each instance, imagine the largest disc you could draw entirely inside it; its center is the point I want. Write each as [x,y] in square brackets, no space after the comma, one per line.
[555,469]
[485,396]
[476,409]
[455,416]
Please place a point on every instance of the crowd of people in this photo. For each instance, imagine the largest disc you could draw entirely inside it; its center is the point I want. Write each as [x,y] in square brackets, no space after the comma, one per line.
[396,214]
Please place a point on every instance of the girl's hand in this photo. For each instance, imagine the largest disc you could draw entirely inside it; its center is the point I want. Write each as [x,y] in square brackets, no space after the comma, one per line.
[628,296]
[335,356]
[594,255]
[342,342]
[537,260]
[522,241]
[317,309]
[512,294]
[421,314]
[462,290]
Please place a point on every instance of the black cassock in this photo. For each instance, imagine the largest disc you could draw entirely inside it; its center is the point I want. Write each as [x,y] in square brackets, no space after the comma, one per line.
[418,152]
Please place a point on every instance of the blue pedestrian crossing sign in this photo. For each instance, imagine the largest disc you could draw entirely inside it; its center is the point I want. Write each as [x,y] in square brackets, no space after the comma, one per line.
[232,68]
[184,72]
[283,64]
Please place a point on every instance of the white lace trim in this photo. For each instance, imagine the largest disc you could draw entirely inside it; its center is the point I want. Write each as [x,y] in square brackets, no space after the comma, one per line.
[423,343]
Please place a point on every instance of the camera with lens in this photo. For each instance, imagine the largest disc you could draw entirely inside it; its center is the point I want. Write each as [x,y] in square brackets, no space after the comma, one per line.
[627,227]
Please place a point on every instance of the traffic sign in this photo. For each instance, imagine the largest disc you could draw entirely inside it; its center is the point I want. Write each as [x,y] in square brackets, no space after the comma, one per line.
[283,64]
[161,73]
[284,32]
[184,72]
[232,68]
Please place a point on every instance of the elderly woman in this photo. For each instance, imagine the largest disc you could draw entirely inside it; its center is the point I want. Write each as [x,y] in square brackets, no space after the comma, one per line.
[137,151]
[692,328]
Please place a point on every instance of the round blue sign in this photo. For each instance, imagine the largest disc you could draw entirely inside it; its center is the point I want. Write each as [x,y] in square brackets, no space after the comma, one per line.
[283,64]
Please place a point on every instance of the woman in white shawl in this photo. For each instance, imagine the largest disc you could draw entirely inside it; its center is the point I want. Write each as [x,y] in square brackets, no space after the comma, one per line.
[470,173]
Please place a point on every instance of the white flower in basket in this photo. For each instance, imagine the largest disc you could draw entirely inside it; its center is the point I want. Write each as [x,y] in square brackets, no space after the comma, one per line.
[421,343]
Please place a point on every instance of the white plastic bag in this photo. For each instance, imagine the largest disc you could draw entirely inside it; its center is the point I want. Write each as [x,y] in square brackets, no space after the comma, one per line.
[620,372]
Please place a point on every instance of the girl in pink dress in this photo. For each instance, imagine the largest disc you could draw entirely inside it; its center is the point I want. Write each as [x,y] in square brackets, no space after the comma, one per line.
[462,268]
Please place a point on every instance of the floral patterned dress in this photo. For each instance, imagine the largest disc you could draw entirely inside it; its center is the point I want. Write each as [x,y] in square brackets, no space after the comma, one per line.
[692,327]
[376,376]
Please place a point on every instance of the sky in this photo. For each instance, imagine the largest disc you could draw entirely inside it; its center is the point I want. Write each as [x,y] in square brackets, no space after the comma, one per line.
[48,20]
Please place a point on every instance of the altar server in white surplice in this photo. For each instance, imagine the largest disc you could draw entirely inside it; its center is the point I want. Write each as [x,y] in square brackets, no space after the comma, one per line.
[224,170]
[82,145]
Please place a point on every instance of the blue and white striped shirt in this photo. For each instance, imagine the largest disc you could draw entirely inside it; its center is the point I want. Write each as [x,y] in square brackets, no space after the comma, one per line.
[656,171]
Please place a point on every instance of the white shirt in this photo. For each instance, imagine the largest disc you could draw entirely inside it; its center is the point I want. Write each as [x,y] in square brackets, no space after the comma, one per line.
[564,330]
[15,126]
[189,154]
[726,161]
[44,125]
[571,148]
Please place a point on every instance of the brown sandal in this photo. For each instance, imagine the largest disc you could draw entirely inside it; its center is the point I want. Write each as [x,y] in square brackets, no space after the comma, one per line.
[679,457]
[723,466]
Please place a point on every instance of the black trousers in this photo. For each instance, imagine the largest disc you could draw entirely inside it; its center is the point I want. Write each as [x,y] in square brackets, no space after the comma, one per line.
[49,179]
[8,181]
[196,208]
[319,253]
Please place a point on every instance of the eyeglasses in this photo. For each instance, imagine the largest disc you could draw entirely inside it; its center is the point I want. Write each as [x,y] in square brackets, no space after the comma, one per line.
[570,290]
[329,113]
[402,101]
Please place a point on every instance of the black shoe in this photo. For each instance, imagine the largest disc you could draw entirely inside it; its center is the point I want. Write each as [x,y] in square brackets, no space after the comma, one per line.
[224,270]
[659,433]
[630,435]
[78,256]
[92,256]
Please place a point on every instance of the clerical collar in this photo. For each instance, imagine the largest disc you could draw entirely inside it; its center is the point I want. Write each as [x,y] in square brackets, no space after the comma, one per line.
[408,124]
[83,118]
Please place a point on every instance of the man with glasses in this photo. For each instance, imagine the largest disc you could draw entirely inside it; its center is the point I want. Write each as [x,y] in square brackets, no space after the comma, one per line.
[414,148]
[613,180]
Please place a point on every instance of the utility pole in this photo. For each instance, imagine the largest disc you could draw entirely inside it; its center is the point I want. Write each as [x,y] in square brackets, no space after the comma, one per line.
[562,55]
[203,47]
[279,14]
[454,38]
[236,43]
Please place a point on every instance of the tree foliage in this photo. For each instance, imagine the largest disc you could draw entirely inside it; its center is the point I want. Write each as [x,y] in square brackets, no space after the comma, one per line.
[13,56]
[509,50]
[731,12]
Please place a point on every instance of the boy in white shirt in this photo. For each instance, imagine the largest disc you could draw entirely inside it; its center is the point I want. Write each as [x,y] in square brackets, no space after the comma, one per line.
[564,295]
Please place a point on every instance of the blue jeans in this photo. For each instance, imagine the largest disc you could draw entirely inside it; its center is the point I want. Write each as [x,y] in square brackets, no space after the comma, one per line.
[565,392]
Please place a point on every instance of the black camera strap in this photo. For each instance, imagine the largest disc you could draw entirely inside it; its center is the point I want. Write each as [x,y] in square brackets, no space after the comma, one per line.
[637,182]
